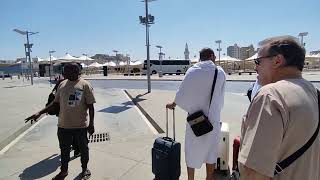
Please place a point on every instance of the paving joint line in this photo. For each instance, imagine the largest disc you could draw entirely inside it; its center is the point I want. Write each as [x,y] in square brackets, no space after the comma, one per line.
[149,118]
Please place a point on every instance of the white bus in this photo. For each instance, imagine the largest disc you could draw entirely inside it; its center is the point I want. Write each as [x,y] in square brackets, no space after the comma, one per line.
[167,66]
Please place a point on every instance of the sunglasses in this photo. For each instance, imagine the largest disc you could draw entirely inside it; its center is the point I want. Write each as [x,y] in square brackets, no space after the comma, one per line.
[258,60]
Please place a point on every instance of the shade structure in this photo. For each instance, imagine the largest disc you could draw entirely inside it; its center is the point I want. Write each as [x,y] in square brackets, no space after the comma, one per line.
[228,58]
[135,63]
[105,64]
[96,65]
[85,58]
[111,63]
[253,57]
[52,58]
[68,57]
[122,63]
[83,65]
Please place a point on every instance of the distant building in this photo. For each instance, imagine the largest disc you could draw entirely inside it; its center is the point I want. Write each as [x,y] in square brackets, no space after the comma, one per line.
[238,52]
[246,52]
[186,52]
[234,51]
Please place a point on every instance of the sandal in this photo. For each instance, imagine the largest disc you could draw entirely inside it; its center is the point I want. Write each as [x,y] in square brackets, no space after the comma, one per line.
[85,174]
[60,176]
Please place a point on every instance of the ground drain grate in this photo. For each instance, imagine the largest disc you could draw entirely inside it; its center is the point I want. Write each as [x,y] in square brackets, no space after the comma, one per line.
[99,137]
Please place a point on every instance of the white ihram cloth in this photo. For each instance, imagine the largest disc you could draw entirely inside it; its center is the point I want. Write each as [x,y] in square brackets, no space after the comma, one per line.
[194,95]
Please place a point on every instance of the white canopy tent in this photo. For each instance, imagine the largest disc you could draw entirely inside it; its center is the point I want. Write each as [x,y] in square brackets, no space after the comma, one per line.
[122,63]
[83,65]
[95,65]
[85,58]
[228,58]
[52,58]
[135,63]
[68,57]
[252,57]
[112,64]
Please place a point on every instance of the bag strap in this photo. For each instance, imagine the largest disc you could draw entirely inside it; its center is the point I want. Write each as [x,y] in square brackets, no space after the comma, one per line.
[213,84]
[280,166]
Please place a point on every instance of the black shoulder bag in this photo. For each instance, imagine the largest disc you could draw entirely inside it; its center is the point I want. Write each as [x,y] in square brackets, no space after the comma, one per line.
[280,166]
[198,121]
[51,98]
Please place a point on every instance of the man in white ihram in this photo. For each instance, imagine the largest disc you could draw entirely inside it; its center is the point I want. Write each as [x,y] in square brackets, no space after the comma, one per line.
[194,95]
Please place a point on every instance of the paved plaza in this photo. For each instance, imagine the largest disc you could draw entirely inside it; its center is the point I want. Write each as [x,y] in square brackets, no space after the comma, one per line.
[32,152]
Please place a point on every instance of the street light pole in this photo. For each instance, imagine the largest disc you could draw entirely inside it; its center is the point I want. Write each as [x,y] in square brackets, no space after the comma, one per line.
[301,35]
[86,62]
[28,47]
[219,49]
[50,54]
[147,20]
[117,59]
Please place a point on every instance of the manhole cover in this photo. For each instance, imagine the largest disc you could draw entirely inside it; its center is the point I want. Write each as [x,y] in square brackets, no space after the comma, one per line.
[99,137]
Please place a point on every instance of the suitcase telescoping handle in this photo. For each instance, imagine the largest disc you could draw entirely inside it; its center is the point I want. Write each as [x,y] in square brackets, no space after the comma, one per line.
[173,124]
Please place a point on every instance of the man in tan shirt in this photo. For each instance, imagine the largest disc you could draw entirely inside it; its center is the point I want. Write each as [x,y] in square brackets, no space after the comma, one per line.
[75,97]
[282,117]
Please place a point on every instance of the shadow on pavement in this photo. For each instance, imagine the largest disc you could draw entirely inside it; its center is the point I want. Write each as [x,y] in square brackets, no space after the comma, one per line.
[42,168]
[9,87]
[118,109]
[115,109]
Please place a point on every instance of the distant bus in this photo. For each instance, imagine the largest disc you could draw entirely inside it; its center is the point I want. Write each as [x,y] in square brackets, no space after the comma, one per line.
[168,66]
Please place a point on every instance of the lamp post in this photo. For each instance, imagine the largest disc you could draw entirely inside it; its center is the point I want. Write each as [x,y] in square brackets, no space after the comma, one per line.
[86,55]
[160,60]
[28,47]
[50,52]
[219,49]
[301,35]
[117,58]
[147,20]
[128,60]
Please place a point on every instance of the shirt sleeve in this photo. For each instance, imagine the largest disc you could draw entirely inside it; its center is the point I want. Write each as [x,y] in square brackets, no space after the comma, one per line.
[89,96]
[263,134]
[57,95]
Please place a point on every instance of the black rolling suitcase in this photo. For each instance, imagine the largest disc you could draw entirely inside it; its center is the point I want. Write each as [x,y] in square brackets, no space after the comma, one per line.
[166,156]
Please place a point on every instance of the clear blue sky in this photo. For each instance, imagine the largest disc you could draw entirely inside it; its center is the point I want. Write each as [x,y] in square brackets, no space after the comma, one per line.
[100,26]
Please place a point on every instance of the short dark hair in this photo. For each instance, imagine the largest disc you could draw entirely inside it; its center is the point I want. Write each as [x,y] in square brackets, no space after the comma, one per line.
[291,50]
[205,53]
[72,66]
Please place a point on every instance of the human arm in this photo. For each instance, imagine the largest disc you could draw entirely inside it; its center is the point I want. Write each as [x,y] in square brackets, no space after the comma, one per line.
[90,100]
[52,106]
[262,131]
[91,116]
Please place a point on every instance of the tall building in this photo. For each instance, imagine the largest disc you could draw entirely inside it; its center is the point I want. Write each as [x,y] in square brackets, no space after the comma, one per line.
[246,52]
[238,52]
[233,51]
[186,52]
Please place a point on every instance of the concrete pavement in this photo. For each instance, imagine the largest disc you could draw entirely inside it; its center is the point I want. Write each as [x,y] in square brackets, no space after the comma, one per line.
[153,105]
[313,76]
[125,156]
[17,100]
